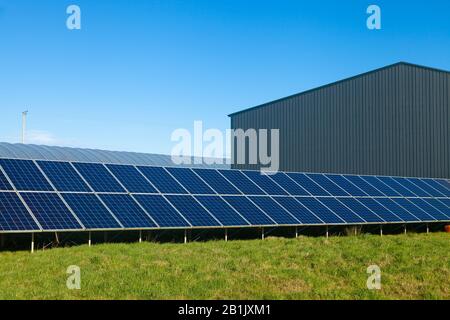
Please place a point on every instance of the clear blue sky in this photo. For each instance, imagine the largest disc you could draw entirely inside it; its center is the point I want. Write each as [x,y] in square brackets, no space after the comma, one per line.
[137,70]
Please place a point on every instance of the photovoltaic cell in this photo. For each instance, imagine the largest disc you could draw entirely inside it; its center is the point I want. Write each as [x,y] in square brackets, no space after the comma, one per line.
[381,186]
[413,209]
[265,183]
[361,210]
[25,175]
[4,184]
[162,180]
[217,181]
[50,211]
[192,211]
[446,202]
[397,209]
[393,184]
[190,181]
[383,212]
[63,176]
[289,185]
[127,211]
[13,214]
[439,205]
[444,183]
[412,187]
[161,211]
[91,212]
[297,210]
[98,177]
[249,211]
[308,184]
[438,186]
[327,184]
[342,211]
[320,210]
[240,181]
[274,210]
[427,188]
[131,179]
[429,209]
[364,185]
[222,210]
[346,185]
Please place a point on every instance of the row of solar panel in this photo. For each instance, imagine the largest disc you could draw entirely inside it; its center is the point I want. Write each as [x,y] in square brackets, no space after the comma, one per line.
[50,211]
[26,175]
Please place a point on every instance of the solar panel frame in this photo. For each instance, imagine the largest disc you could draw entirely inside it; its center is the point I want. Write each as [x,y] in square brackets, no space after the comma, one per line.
[347,185]
[99,178]
[162,180]
[131,178]
[63,176]
[274,210]
[190,181]
[397,186]
[15,216]
[5,185]
[197,215]
[398,210]
[412,187]
[379,185]
[342,211]
[264,182]
[247,209]
[217,181]
[441,206]
[300,212]
[25,175]
[288,184]
[414,210]
[320,210]
[223,211]
[327,184]
[430,209]
[242,182]
[434,183]
[365,186]
[426,187]
[309,185]
[380,210]
[361,210]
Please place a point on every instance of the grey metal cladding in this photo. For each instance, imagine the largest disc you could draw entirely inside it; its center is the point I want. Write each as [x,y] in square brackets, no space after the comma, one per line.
[392,121]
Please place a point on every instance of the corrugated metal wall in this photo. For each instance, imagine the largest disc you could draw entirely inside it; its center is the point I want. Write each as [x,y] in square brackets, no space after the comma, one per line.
[394,121]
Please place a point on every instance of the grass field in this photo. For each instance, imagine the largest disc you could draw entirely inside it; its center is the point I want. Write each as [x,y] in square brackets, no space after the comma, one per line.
[415,266]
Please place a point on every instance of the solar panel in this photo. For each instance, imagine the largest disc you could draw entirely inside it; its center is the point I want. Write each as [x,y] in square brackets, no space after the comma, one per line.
[439,205]
[413,209]
[91,212]
[364,186]
[429,208]
[430,188]
[346,185]
[398,210]
[25,175]
[13,214]
[383,212]
[217,181]
[63,176]
[249,211]
[192,211]
[361,210]
[190,181]
[288,184]
[446,202]
[131,179]
[161,211]
[242,182]
[301,213]
[127,211]
[444,183]
[274,210]
[308,184]
[265,183]
[222,211]
[321,211]
[4,183]
[162,180]
[98,177]
[50,211]
[398,187]
[412,187]
[342,211]
[380,186]
[328,185]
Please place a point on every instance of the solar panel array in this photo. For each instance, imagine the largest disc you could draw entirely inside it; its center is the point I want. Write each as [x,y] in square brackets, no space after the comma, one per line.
[62,196]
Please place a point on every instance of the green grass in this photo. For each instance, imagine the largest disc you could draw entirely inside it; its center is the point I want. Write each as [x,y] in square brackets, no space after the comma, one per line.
[415,266]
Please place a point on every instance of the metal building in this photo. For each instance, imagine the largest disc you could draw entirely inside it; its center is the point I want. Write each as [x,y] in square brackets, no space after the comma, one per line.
[390,121]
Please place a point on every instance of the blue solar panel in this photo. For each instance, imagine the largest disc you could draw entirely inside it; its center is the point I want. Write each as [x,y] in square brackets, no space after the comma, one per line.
[413,209]
[429,209]
[280,215]
[190,181]
[445,183]
[25,175]
[321,211]
[98,177]
[127,211]
[240,181]
[222,211]
[446,202]
[328,185]
[342,211]
[383,212]
[162,180]
[346,185]
[439,205]
[192,211]
[63,176]
[131,179]
[91,212]
[50,211]
[13,214]
[289,185]
[398,210]
[161,211]
[265,183]
[364,185]
[307,184]
[431,190]
[217,181]
[395,185]
[4,183]
[361,210]
[297,210]
[381,186]
[249,211]
[437,186]
[412,187]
